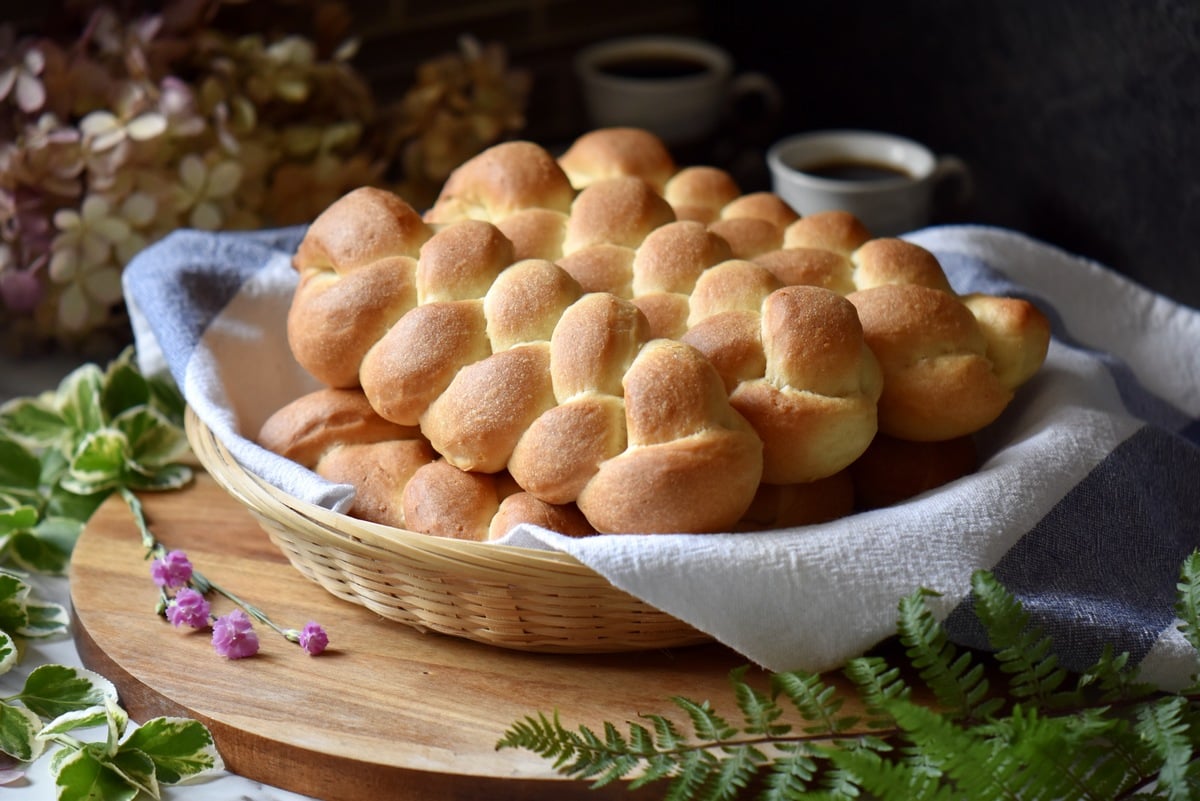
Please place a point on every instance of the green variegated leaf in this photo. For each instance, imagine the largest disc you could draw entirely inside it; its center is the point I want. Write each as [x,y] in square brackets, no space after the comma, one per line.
[18,518]
[35,422]
[45,619]
[153,440]
[79,398]
[13,595]
[98,463]
[53,690]
[180,748]
[124,387]
[167,477]
[167,398]
[18,732]
[62,532]
[20,470]
[9,655]
[80,775]
[137,769]
[30,552]
[86,718]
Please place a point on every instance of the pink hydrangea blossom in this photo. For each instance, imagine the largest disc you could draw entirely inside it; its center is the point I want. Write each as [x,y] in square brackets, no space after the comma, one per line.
[188,608]
[233,635]
[313,638]
[172,570]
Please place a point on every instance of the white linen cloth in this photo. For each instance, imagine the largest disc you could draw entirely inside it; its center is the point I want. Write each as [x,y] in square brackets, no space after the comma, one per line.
[1085,505]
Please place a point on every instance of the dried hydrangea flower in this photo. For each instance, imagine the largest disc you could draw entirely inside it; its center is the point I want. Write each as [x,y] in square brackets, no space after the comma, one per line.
[233,636]
[188,608]
[171,570]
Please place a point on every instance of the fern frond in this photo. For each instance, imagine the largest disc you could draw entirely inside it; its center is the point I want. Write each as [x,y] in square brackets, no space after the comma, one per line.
[1162,726]
[890,780]
[1112,678]
[791,774]
[817,701]
[876,683]
[959,685]
[759,711]
[1020,651]
[1187,606]
[706,723]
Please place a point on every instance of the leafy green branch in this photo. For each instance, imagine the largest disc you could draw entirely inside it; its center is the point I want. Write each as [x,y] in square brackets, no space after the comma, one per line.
[1007,724]
[61,454]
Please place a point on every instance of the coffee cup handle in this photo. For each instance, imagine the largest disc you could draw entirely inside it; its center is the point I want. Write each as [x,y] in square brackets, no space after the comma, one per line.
[953,173]
[756,84]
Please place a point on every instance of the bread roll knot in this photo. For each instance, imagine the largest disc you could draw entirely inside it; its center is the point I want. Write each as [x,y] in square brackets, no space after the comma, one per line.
[398,478]
[940,380]
[501,181]
[615,152]
[799,370]
[692,463]
[357,272]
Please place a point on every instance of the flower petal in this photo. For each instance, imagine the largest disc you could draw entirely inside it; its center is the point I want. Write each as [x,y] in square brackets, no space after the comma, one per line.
[147,126]
[73,308]
[224,178]
[31,95]
[104,285]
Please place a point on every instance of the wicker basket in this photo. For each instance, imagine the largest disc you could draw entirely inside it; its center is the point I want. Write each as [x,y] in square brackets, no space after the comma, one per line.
[517,598]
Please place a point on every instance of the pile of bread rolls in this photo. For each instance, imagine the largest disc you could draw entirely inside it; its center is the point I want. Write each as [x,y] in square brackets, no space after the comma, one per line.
[604,342]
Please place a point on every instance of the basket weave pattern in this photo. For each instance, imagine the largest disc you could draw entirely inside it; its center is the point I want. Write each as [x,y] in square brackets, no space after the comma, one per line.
[517,598]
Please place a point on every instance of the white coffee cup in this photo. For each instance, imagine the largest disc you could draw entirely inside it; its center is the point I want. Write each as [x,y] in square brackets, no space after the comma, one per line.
[887,181]
[676,87]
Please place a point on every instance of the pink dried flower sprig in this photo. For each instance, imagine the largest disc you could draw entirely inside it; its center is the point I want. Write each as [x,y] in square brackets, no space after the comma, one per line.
[233,634]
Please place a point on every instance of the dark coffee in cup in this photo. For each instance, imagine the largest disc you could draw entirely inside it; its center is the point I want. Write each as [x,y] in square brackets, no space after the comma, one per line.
[850,170]
[652,67]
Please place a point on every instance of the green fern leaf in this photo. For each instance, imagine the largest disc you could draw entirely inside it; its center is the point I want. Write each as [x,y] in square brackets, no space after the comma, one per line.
[960,686]
[816,700]
[707,724]
[876,683]
[791,774]
[1020,651]
[890,780]
[759,711]
[1162,726]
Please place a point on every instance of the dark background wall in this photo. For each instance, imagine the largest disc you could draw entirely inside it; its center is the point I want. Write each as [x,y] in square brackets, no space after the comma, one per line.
[1080,118]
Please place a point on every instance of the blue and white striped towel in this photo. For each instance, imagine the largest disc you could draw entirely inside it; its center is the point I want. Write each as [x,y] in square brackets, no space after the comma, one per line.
[1086,503]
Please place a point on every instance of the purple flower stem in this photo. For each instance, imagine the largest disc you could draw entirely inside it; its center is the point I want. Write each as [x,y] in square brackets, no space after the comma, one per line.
[156,549]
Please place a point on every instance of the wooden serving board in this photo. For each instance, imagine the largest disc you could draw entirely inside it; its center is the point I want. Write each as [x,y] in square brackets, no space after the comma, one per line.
[386,712]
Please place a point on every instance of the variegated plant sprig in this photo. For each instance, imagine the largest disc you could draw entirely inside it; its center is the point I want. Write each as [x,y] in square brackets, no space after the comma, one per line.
[58,705]
[61,454]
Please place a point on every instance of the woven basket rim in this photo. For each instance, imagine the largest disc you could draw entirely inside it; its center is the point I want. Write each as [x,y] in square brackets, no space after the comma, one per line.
[330,528]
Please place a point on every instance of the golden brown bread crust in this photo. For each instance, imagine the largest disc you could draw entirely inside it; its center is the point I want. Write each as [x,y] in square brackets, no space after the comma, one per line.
[938,381]
[692,465]
[615,211]
[356,278]
[815,406]
[314,423]
[500,181]
[699,193]
[617,152]
[527,316]
[521,507]
[839,231]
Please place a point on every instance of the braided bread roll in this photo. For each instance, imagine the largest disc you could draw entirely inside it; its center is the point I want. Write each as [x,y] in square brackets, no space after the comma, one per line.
[399,479]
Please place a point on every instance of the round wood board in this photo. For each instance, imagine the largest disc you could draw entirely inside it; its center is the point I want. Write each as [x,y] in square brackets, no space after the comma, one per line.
[387,711]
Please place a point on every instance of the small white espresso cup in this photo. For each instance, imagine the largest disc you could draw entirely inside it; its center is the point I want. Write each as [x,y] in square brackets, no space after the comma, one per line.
[679,88]
[887,181]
